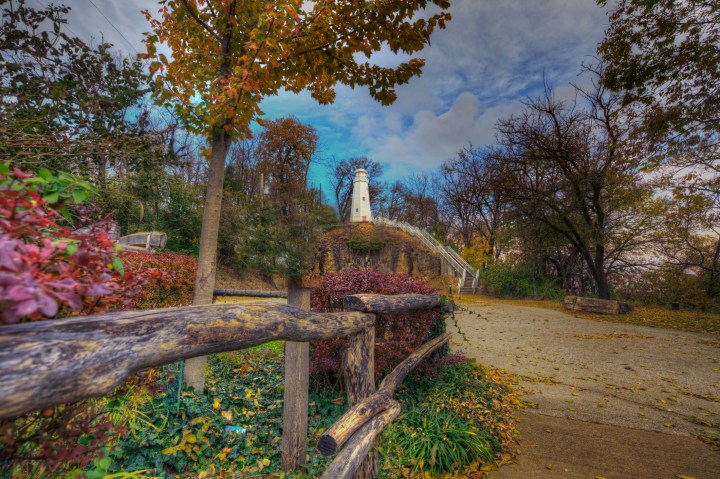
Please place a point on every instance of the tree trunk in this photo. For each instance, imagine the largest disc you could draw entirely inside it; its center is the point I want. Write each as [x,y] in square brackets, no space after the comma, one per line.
[599,274]
[714,280]
[205,276]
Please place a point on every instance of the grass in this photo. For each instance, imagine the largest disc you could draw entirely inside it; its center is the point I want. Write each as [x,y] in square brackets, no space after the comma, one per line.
[652,316]
[457,423]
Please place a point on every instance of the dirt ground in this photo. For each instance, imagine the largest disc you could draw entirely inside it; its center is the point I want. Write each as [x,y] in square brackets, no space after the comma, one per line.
[618,400]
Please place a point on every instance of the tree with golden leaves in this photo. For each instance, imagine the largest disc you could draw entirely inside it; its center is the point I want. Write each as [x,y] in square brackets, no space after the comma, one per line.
[228,55]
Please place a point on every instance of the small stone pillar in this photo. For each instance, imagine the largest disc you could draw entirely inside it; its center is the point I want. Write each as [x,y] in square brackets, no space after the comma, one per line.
[360,212]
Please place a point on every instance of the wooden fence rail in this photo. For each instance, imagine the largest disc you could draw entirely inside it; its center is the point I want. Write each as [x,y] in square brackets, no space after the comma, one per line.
[377,402]
[43,364]
[47,363]
[253,293]
[370,412]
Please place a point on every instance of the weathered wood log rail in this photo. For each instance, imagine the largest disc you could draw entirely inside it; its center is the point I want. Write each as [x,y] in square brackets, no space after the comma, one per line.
[47,363]
[370,412]
[252,293]
[44,364]
[374,404]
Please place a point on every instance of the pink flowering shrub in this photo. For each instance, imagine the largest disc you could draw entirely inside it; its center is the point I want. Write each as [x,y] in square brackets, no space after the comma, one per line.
[47,270]
[396,335]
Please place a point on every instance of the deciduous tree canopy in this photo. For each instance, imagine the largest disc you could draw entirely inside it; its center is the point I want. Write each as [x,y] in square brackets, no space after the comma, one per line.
[228,55]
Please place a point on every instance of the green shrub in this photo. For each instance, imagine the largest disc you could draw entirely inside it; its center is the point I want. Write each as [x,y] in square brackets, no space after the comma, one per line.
[365,244]
[186,435]
[504,281]
[460,416]
[440,441]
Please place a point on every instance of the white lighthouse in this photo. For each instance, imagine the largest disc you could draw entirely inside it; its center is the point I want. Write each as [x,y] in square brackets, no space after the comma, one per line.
[360,212]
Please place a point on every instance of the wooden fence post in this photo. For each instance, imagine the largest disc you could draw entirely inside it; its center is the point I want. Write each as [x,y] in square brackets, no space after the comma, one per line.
[297,381]
[359,374]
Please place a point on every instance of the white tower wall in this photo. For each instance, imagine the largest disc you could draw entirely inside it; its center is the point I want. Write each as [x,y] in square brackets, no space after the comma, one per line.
[360,212]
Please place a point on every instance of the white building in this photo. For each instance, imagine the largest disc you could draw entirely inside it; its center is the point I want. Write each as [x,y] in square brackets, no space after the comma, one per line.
[360,212]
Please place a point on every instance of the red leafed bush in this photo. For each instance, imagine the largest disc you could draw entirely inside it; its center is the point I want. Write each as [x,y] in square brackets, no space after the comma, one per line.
[169,278]
[396,335]
[47,270]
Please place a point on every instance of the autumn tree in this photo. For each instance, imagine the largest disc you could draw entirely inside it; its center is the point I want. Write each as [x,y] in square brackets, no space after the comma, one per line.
[565,167]
[664,55]
[689,243]
[420,203]
[342,183]
[229,55]
[286,149]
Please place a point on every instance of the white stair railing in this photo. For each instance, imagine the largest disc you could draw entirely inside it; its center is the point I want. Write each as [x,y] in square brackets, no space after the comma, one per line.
[456,262]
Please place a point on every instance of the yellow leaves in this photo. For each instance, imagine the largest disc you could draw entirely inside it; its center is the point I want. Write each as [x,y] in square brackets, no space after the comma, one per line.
[262,464]
[168,451]
[216,403]
[223,454]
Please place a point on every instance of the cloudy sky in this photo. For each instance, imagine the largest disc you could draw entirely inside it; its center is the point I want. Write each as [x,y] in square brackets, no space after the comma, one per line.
[492,56]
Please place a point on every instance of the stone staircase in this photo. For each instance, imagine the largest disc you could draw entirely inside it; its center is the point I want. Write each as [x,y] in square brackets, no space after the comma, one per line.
[469,286]
[467,276]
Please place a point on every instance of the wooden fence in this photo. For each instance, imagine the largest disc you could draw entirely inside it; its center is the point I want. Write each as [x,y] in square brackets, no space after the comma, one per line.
[44,364]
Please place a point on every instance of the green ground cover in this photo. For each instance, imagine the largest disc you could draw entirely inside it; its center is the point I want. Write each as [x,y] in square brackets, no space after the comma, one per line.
[458,417]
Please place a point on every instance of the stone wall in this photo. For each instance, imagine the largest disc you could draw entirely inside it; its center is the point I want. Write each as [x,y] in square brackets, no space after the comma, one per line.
[364,245]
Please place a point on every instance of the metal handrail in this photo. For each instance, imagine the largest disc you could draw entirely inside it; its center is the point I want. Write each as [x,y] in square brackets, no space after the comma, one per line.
[457,262]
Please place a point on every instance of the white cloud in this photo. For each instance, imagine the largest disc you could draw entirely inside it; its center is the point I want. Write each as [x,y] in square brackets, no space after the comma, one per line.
[432,138]
[493,55]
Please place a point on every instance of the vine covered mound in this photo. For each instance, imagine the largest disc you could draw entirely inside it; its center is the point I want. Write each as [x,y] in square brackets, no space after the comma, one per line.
[365,245]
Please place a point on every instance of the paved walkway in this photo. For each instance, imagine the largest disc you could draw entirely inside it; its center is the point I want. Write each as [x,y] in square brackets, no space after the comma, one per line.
[583,376]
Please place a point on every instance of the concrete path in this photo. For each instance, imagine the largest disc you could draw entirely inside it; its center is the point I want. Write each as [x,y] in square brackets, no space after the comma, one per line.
[583,372]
